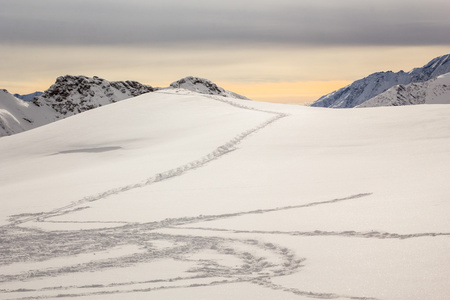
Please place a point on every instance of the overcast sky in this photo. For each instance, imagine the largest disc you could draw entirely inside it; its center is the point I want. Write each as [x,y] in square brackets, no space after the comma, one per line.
[158,40]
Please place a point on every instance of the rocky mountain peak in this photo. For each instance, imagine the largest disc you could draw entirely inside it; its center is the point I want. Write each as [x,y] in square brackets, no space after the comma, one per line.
[74,94]
[204,86]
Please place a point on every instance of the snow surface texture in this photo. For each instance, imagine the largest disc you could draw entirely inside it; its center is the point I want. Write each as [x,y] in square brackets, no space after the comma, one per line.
[433,91]
[364,89]
[178,195]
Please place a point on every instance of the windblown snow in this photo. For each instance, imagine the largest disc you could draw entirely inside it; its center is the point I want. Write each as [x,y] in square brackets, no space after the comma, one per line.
[179,195]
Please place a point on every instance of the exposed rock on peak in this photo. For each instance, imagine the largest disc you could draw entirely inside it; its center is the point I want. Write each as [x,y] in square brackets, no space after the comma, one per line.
[204,86]
[70,95]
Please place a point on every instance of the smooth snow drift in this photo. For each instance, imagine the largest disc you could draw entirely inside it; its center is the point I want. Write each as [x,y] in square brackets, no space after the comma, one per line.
[178,195]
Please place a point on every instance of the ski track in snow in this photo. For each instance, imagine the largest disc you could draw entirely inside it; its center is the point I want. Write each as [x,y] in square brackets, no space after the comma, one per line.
[368,234]
[30,245]
[260,261]
[215,154]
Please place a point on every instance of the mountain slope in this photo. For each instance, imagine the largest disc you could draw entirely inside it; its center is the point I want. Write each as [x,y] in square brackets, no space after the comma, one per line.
[17,115]
[433,91]
[377,83]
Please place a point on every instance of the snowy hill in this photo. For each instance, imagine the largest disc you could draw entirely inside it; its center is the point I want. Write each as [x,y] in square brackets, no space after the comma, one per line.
[433,91]
[179,195]
[204,86]
[364,89]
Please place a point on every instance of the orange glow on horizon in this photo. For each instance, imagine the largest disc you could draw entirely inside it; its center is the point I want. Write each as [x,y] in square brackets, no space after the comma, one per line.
[298,92]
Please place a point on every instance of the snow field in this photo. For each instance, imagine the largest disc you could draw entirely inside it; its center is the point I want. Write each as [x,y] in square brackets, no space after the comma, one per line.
[214,197]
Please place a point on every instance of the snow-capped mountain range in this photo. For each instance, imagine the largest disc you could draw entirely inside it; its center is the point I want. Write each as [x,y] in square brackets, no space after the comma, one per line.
[364,89]
[71,95]
[433,91]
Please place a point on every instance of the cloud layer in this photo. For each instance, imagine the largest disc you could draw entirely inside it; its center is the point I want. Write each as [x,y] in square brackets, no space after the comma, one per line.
[296,22]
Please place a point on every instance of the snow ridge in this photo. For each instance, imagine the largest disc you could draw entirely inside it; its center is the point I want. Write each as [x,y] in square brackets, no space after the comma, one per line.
[377,83]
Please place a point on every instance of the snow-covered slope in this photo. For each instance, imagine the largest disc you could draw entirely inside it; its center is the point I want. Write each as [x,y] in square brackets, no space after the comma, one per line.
[433,91]
[364,89]
[179,195]
[204,86]
[17,115]
[28,97]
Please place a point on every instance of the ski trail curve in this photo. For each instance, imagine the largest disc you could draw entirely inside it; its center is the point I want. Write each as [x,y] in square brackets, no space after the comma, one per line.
[180,170]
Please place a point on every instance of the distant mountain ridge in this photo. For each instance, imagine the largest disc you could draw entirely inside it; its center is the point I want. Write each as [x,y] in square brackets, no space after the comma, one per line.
[28,97]
[366,88]
[433,91]
[70,95]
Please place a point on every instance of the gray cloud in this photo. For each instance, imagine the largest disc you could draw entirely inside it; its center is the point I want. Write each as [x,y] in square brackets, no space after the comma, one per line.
[297,22]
